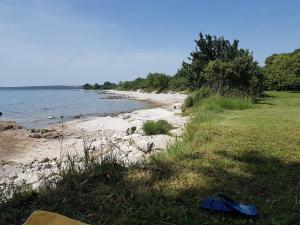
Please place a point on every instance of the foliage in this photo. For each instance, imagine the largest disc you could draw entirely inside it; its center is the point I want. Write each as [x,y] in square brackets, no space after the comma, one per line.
[154,82]
[196,96]
[241,75]
[105,86]
[87,86]
[283,71]
[157,127]
[138,83]
[178,82]
[224,67]
[216,63]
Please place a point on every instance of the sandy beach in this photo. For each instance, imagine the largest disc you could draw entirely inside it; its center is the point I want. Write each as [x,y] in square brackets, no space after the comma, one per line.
[30,155]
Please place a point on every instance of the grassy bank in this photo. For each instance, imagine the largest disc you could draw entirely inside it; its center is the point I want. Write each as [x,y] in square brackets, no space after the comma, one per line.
[248,151]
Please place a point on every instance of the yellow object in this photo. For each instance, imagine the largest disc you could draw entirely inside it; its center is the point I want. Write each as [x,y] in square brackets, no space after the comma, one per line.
[47,218]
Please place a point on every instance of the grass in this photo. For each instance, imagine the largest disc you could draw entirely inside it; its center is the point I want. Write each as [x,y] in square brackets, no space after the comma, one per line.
[252,155]
[196,96]
[157,127]
[217,103]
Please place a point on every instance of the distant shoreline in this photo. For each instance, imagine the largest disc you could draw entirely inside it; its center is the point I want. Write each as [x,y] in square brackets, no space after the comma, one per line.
[39,107]
[42,87]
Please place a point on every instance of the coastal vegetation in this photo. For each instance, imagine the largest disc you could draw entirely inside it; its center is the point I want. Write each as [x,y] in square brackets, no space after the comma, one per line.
[216,63]
[223,67]
[242,140]
[157,127]
[243,153]
[105,86]
[283,71]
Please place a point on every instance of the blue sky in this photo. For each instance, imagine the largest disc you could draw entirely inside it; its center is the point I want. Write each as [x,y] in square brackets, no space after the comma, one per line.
[71,42]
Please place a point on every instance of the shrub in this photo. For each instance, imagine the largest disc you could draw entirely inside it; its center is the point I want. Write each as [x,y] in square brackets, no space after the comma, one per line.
[189,102]
[158,127]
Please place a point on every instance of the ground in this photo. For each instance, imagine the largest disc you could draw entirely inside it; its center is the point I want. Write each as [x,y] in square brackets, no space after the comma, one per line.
[252,155]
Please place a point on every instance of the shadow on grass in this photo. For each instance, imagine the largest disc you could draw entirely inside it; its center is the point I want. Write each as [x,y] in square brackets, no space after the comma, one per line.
[164,192]
[262,100]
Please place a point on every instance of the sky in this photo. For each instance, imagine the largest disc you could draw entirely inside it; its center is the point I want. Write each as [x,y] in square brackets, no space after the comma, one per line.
[72,42]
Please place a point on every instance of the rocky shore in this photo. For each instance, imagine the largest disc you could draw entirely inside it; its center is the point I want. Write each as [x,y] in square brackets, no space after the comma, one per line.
[31,156]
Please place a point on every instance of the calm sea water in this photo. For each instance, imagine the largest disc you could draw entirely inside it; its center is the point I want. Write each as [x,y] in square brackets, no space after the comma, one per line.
[33,108]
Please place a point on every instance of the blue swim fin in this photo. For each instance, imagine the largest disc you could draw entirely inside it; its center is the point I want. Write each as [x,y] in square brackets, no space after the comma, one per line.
[222,203]
[214,203]
[246,210]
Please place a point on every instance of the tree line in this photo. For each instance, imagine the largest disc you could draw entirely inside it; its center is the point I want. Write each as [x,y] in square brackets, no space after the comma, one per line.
[223,67]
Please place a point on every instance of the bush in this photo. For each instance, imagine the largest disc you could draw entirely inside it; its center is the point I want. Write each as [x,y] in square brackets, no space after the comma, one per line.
[158,127]
[196,96]
[189,102]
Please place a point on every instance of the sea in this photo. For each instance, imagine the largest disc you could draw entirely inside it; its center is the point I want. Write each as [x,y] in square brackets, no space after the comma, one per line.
[39,107]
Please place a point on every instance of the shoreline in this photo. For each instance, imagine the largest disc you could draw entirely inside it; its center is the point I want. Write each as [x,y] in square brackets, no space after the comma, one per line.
[33,160]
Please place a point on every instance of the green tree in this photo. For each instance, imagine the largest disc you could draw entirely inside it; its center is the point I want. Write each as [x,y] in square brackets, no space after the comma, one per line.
[157,81]
[223,66]
[97,86]
[208,48]
[87,86]
[108,85]
[240,75]
[283,71]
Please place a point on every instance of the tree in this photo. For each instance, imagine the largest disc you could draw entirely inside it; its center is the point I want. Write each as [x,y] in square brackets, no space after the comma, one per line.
[223,66]
[208,48]
[97,86]
[283,71]
[87,86]
[178,82]
[108,85]
[240,75]
[157,81]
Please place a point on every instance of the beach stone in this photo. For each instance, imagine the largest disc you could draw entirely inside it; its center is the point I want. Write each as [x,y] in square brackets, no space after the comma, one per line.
[35,135]
[131,130]
[8,125]
[45,160]
[13,177]
[47,166]
[126,116]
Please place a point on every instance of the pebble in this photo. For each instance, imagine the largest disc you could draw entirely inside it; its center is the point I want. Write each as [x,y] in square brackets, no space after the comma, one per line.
[45,160]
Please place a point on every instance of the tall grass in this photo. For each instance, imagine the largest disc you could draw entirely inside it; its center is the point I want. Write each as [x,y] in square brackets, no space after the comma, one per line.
[218,103]
[196,96]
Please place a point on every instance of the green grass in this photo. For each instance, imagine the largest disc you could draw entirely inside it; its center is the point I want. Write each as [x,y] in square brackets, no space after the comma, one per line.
[253,155]
[218,104]
[157,127]
[196,96]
